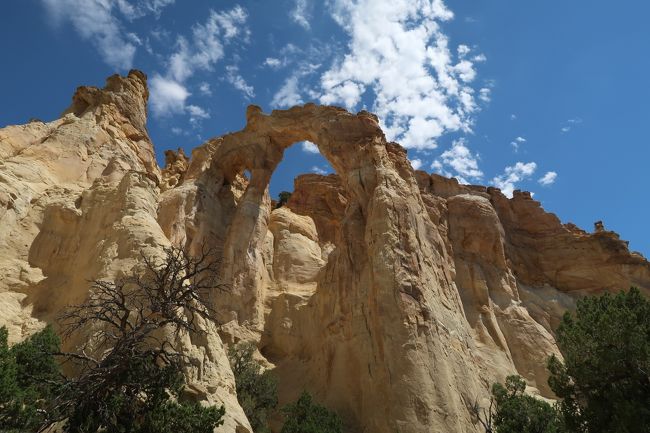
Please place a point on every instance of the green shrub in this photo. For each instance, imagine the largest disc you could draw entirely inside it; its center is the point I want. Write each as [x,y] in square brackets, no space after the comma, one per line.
[256,389]
[29,379]
[305,416]
[171,417]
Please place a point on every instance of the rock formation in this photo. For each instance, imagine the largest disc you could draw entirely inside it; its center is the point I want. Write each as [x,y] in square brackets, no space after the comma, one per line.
[394,296]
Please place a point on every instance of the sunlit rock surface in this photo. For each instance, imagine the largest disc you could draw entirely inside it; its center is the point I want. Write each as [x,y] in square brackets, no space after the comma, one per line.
[394,296]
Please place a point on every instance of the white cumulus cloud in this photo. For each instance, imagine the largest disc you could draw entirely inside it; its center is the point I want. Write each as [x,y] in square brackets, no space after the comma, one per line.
[512,175]
[273,62]
[416,163]
[398,54]
[309,147]
[459,162]
[167,96]
[485,94]
[548,178]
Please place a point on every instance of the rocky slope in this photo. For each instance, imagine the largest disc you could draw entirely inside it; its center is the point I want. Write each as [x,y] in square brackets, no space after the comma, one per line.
[394,296]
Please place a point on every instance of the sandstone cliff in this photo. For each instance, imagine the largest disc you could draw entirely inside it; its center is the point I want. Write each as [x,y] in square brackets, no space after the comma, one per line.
[396,297]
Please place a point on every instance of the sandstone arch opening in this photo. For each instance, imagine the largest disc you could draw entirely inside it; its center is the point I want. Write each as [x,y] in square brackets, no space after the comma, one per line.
[300,158]
[259,150]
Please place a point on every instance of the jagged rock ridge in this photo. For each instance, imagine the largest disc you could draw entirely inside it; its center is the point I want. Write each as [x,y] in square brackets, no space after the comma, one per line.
[394,296]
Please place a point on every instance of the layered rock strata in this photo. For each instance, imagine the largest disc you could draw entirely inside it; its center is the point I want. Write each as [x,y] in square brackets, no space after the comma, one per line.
[394,296]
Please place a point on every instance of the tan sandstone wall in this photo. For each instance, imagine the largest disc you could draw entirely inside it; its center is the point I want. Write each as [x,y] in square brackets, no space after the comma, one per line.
[394,296]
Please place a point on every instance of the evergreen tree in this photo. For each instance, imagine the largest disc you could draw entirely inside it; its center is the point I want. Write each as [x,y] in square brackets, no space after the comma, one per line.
[604,381]
[283,198]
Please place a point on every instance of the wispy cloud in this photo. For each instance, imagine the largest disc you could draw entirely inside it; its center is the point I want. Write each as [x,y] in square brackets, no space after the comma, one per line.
[197,112]
[548,178]
[200,52]
[300,14]
[94,20]
[138,9]
[234,77]
[513,175]
[517,142]
[99,21]
[205,89]
[207,44]
[569,124]
[318,170]
[291,92]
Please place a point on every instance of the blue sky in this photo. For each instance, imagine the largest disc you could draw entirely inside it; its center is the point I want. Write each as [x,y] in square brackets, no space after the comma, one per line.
[550,97]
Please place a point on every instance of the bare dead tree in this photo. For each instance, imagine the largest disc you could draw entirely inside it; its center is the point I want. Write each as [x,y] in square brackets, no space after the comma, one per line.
[483,416]
[129,327]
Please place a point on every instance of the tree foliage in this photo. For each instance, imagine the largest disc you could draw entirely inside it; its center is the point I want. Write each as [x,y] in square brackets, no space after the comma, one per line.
[305,416]
[29,379]
[283,198]
[256,389]
[517,412]
[604,381]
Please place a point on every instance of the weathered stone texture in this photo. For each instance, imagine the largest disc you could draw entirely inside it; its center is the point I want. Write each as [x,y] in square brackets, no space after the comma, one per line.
[394,296]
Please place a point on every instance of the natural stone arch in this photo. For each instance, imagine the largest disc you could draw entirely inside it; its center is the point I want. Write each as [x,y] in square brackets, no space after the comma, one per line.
[342,139]
[386,306]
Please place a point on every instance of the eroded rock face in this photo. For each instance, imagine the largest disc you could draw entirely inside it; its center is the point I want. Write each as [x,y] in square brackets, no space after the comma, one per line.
[394,296]
[79,201]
